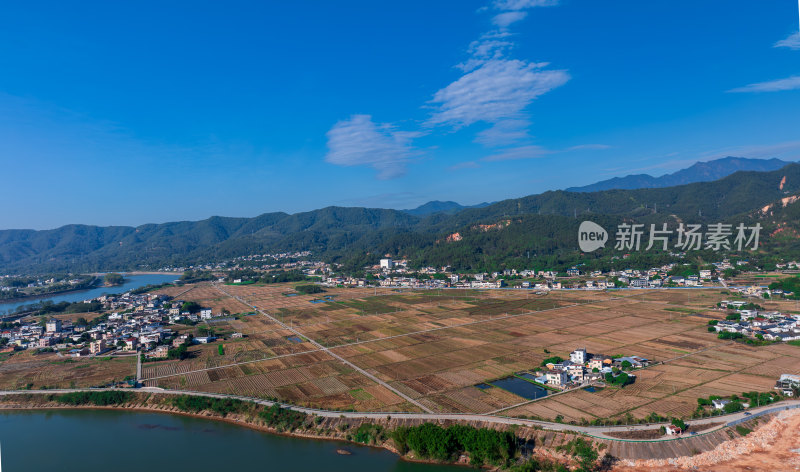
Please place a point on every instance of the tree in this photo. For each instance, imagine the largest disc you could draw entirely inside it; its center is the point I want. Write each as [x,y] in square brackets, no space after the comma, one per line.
[113,279]
[191,307]
[679,423]
[552,360]
[733,407]
[626,365]
[221,350]
[309,289]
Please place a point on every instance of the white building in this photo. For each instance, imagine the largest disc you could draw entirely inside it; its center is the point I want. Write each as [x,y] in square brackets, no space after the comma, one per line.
[387,263]
[557,378]
[53,326]
[578,356]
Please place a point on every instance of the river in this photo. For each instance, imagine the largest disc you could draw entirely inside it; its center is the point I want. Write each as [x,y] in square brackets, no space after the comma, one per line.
[123,441]
[131,282]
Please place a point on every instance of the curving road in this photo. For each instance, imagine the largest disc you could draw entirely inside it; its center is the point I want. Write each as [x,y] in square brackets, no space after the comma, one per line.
[595,431]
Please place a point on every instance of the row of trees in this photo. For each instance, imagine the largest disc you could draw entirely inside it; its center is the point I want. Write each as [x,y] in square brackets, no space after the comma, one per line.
[222,406]
[101,398]
[431,441]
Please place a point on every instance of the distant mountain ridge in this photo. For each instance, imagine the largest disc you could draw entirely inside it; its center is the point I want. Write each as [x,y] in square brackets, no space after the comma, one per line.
[437,206]
[543,225]
[699,172]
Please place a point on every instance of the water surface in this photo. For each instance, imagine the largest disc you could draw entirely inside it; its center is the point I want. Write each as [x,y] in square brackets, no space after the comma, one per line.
[125,441]
[131,282]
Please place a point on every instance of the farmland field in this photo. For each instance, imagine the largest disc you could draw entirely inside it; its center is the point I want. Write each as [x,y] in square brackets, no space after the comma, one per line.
[435,346]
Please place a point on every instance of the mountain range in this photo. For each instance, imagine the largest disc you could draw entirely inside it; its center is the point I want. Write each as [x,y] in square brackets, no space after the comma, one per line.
[437,206]
[699,172]
[504,233]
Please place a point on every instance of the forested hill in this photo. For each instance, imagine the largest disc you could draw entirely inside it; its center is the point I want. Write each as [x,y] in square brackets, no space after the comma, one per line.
[543,224]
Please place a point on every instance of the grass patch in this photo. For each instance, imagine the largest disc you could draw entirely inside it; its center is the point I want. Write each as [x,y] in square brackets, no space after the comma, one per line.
[743,431]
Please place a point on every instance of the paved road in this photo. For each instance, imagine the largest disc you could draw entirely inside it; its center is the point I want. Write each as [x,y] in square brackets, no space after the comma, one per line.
[596,431]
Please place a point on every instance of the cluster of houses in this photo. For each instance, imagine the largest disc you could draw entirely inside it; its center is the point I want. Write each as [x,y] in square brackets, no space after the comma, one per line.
[787,384]
[769,325]
[584,368]
[136,322]
[283,261]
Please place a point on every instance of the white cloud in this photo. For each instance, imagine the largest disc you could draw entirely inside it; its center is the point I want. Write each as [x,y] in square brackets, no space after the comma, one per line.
[464,165]
[498,89]
[503,20]
[521,152]
[490,46]
[515,5]
[358,141]
[589,147]
[504,133]
[792,42]
[790,83]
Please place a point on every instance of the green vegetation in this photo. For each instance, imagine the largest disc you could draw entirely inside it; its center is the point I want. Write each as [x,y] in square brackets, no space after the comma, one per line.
[102,398]
[220,350]
[150,288]
[192,276]
[734,317]
[789,285]
[733,407]
[191,307]
[621,380]
[308,289]
[282,419]
[541,225]
[727,335]
[552,360]
[222,406]
[181,352]
[539,465]
[583,451]
[679,423]
[743,431]
[431,441]
[113,279]
[368,433]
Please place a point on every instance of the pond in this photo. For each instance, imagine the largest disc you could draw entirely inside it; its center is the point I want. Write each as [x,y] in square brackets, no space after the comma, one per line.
[520,387]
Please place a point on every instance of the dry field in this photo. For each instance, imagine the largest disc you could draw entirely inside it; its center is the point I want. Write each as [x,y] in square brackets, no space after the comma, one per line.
[49,370]
[434,346]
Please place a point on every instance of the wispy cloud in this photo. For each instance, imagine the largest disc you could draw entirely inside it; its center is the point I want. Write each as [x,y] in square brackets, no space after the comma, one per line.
[496,89]
[499,89]
[521,152]
[505,19]
[792,42]
[492,89]
[514,5]
[358,141]
[780,85]
[504,133]
[464,165]
[589,147]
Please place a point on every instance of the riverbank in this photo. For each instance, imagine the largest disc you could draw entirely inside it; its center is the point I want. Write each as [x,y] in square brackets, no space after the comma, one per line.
[97,283]
[131,282]
[173,442]
[378,432]
[342,430]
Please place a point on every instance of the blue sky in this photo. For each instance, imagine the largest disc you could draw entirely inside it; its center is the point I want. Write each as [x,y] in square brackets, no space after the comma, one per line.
[124,114]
